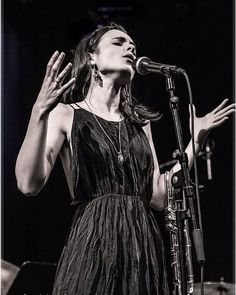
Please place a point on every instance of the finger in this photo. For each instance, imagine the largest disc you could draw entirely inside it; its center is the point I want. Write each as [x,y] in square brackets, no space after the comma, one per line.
[66,86]
[219,122]
[56,66]
[231,106]
[64,73]
[51,63]
[220,106]
[224,115]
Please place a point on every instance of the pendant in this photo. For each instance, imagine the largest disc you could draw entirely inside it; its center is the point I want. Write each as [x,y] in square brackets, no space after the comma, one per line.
[120,158]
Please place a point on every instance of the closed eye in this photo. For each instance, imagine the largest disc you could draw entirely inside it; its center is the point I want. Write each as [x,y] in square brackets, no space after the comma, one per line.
[119,41]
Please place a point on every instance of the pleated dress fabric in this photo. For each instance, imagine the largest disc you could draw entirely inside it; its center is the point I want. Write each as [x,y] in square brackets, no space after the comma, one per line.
[114,245]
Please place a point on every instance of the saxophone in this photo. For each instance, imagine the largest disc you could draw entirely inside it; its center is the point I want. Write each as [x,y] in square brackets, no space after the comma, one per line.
[171,226]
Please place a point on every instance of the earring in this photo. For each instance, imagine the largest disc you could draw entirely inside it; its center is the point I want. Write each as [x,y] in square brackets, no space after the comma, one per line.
[96,75]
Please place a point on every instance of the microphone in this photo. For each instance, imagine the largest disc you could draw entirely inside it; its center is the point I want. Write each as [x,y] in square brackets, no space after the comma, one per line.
[210,144]
[143,65]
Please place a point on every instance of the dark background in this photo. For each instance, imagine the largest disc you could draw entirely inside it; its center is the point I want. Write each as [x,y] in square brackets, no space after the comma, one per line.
[196,35]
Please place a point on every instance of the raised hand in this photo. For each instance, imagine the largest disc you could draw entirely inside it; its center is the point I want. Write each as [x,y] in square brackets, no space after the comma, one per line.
[52,87]
[213,119]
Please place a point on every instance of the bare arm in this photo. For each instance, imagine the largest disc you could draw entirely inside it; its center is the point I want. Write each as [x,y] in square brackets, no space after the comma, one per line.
[159,192]
[202,127]
[44,136]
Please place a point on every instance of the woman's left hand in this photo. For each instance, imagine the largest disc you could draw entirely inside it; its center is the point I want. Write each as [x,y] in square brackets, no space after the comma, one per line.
[213,119]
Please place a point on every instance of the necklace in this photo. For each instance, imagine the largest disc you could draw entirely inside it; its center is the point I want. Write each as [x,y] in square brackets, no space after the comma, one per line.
[120,156]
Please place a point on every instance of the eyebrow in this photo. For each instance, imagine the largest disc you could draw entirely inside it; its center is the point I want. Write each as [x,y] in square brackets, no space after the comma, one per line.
[122,39]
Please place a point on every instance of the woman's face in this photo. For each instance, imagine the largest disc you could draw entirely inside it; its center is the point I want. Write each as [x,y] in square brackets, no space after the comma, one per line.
[114,54]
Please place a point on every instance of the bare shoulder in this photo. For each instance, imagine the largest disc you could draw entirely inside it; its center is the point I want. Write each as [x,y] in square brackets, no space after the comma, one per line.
[62,110]
[62,116]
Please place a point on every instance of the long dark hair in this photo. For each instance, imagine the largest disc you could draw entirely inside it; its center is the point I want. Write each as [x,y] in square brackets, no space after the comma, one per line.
[82,72]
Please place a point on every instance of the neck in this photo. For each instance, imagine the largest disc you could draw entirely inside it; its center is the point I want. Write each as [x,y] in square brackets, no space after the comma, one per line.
[104,97]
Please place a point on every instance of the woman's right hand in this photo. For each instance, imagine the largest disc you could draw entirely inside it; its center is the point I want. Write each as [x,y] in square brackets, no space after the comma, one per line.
[52,88]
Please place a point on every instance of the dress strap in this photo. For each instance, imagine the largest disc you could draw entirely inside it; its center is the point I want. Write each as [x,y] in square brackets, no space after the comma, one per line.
[78,105]
[74,107]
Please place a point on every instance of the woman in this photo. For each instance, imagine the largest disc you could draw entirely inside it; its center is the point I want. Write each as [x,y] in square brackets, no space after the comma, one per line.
[105,144]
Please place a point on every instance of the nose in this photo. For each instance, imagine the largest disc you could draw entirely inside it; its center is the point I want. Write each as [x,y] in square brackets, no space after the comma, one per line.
[131,48]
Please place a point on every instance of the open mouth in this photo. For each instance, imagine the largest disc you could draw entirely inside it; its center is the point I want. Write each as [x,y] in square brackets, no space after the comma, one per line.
[129,57]
[129,60]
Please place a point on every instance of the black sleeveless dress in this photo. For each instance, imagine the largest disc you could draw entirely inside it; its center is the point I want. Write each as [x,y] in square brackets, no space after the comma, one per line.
[114,246]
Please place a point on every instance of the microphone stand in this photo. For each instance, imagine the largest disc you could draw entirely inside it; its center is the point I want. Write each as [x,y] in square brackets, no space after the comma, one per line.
[181,179]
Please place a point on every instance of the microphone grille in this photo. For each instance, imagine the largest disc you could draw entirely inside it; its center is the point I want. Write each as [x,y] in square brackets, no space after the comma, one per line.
[139,63]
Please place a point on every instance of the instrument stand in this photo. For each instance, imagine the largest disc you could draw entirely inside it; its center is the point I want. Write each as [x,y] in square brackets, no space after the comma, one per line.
[181,179]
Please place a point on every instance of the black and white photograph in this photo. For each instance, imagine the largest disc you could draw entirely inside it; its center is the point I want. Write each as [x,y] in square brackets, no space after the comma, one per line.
[118,147]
